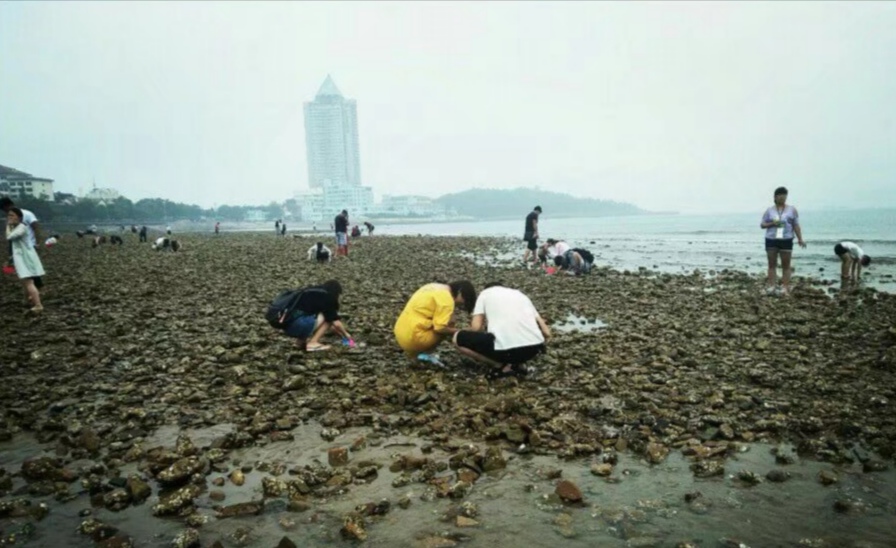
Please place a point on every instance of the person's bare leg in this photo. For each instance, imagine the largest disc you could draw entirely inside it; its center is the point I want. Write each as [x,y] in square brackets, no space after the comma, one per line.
[772,277]
[321,327]
[526,255]
[34,295]
[785,270]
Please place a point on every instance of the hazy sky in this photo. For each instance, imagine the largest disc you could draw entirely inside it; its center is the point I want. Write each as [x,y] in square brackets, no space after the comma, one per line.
[700,107]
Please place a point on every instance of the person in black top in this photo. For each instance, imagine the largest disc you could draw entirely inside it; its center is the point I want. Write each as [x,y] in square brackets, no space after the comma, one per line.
[341,225]
[530,236]
[143,233]
[370,227]
[316,313]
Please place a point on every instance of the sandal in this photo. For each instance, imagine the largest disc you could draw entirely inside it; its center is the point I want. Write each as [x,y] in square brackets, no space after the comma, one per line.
[317,348]
[37,309]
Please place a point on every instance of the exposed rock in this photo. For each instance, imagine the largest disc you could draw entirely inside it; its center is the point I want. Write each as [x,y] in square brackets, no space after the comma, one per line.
[827,477]
[188,538]
[353,528]
[568,491]
[252,508]
[463,521]
[602,470]
[337,456]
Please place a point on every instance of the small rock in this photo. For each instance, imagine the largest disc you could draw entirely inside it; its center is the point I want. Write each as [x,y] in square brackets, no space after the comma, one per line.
[777,476]
[252,508]
[217,495]
[353,528]
[138,489]
[286,543]
[568,491]
[603,470]
[337,456]
[656,452]
[463,521]
[494,459]
[827,477]
[237,477]
[874,465]
[188,538]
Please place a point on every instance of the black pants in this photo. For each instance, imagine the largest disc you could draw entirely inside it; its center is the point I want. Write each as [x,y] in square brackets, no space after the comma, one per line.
[142,236]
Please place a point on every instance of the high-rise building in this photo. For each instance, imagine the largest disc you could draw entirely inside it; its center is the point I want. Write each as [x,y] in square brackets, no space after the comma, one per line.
[331,138]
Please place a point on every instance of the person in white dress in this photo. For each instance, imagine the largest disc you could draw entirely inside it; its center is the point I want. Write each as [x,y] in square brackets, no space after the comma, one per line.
[320,253]
[24,256]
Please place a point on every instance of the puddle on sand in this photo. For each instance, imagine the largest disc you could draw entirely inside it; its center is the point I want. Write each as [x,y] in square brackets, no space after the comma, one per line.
[638,505]
[578,324]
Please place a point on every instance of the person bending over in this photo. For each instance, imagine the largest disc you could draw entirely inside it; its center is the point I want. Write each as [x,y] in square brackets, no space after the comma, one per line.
[427,317]
[320,253]
[506,330]
[852,259]
[316,313]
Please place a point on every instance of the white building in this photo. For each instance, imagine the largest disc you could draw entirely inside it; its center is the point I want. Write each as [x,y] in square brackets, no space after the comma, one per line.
[16,184]
[409,205]
[323,204]
[331,138]
[105,195]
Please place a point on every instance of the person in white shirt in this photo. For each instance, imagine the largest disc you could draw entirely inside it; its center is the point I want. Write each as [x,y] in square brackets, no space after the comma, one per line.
[29,220]
[320,253]
[506,330]
[552,248]
[166,243]
[852,259]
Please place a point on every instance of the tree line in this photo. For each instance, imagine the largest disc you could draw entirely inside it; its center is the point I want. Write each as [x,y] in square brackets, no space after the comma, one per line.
[66,209]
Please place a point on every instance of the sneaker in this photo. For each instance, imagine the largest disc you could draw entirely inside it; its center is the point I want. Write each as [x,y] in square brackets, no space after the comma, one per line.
[429,358]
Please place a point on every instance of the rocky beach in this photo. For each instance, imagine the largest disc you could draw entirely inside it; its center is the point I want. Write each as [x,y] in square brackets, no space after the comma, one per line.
[152,405]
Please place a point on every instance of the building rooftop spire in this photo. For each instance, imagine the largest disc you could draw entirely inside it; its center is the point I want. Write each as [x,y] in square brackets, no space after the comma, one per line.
[328,88]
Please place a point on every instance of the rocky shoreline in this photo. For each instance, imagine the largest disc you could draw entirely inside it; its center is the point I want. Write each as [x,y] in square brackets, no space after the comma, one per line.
[133,341]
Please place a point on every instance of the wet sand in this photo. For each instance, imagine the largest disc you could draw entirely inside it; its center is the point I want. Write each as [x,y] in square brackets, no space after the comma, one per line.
[691,380]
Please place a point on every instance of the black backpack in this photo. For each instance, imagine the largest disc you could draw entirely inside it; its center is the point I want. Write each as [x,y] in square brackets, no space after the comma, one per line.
[281,308]
[589,258]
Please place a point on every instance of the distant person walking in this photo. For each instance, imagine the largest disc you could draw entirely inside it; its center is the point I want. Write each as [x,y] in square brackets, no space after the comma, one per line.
[217,228]
[852,259]
[780,222]
[530,235]
[277,227]
[24,256]
[283,229]
[370,227]
[340,223]
[142,233]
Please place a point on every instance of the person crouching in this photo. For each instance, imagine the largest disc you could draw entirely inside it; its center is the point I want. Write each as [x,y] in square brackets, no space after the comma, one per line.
[320,253]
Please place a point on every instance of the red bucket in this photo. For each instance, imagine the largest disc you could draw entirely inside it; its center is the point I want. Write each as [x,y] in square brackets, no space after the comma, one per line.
[9,269]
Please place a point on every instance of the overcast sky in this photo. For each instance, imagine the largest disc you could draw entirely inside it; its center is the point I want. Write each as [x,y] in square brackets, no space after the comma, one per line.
[696,107]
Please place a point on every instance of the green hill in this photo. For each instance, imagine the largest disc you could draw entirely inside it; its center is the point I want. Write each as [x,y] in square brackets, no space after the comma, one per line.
[488,203]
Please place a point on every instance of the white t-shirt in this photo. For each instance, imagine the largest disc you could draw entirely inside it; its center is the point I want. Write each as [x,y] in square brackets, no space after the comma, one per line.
[27,219]
[557,249]
[854,251]
[511,317]
[159,242]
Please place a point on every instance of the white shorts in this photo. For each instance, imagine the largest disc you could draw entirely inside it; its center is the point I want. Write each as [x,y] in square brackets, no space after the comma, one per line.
[341,238]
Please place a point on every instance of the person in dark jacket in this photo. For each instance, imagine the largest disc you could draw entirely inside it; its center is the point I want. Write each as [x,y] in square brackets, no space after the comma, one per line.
[317,313]
[340,223]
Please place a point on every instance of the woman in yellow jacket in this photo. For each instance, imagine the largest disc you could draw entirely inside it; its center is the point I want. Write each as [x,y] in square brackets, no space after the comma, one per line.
[426,318]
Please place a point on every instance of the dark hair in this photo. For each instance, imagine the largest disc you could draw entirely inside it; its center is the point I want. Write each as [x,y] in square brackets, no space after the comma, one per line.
[320,245]
[558,261]
[465,289]
[781,190]
[18,212]
[866,260]
[550,241]
[6,202]
[493,284]
[333,287]
[538,209]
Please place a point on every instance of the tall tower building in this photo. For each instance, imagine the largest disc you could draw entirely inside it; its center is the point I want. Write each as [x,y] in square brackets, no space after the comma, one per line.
[331,138]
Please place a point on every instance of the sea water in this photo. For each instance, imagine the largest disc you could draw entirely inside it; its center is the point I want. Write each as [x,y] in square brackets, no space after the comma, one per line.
[683,243]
